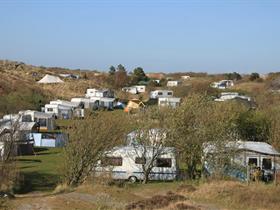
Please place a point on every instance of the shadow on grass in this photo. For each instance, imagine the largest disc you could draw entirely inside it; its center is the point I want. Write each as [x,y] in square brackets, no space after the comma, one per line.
[40,149]
[29,160]
[34,181]
[45,153]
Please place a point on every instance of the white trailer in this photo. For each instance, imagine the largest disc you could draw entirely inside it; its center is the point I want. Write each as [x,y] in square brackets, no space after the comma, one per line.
[161,94]
[135,89]
[173,83]
[125,163]
[45,120]
[92,92]
[232,95]
[86,103]
[169,102]
[65,103]
[59,111]
[223,84]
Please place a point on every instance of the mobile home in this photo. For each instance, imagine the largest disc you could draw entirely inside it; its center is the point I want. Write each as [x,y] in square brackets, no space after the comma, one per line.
[46,121]
[135,89]
[132,90]
[169,102]
[246,154]
[173,83]
[49,139]
[161,93]
[92,92]
[23,141]
[125,163]
[232,95]
[223,84]
[59,111]
[86,103]
[65,103]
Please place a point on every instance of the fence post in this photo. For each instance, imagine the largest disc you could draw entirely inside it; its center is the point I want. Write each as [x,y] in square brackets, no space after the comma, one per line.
[275,172]
[248,174]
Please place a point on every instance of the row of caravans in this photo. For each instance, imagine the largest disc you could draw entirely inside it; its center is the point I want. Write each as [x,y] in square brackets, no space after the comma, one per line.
[102,99]
[94,99]
[32,128]
[64,109]
[44,121]
[125,163]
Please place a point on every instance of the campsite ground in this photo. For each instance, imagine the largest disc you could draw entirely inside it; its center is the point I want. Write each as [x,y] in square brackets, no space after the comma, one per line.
[40,175]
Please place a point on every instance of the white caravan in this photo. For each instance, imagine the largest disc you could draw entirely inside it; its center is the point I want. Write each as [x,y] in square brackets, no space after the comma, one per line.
[173,83]
[92,92]
[161,94]
[86,103]
[169,102]
[125,163]
[65,103]
[232,95]
[223,84]
[59,111]
[135,89]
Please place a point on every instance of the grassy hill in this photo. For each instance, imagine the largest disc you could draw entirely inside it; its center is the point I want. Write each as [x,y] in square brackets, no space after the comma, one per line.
[19,88]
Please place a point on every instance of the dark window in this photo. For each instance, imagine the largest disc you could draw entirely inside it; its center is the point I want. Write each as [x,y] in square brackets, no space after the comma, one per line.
[49,109]
[159,93]
[48,136]
[42,122]
[26,118]
[112,161]
[253,162]
[163,162]
[169,93]
[139,160]
[266,164]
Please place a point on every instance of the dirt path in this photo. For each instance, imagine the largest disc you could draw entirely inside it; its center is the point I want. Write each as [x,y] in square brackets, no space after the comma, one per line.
[102,200]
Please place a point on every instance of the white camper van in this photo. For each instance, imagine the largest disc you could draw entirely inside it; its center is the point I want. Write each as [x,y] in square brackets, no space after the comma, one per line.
[125,163]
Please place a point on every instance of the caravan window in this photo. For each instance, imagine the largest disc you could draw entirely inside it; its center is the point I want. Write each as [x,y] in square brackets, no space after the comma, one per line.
[26,118]
[159,93]
[112,161]
[139,160]
[49,109]
[48,136]
[163,162]
[253,162]
[267,164]
[169,93]
[43,122]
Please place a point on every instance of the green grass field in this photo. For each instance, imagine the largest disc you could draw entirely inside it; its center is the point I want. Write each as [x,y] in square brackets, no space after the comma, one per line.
[41,171]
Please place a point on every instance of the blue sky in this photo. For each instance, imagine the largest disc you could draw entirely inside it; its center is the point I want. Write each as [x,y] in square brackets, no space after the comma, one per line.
[211,36]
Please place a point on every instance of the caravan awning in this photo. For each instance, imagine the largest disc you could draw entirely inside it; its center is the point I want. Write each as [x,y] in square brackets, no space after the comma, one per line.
[258,147]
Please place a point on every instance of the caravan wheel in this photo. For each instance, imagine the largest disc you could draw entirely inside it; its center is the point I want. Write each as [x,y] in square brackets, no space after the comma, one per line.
[132,179]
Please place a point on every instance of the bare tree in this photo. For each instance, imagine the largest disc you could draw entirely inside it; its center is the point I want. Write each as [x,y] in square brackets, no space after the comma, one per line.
[9,134]
[88,140]
[148,140]
[199,120]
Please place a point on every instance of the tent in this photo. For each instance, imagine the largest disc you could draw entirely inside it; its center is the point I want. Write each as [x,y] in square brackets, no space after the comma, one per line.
[48,79]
